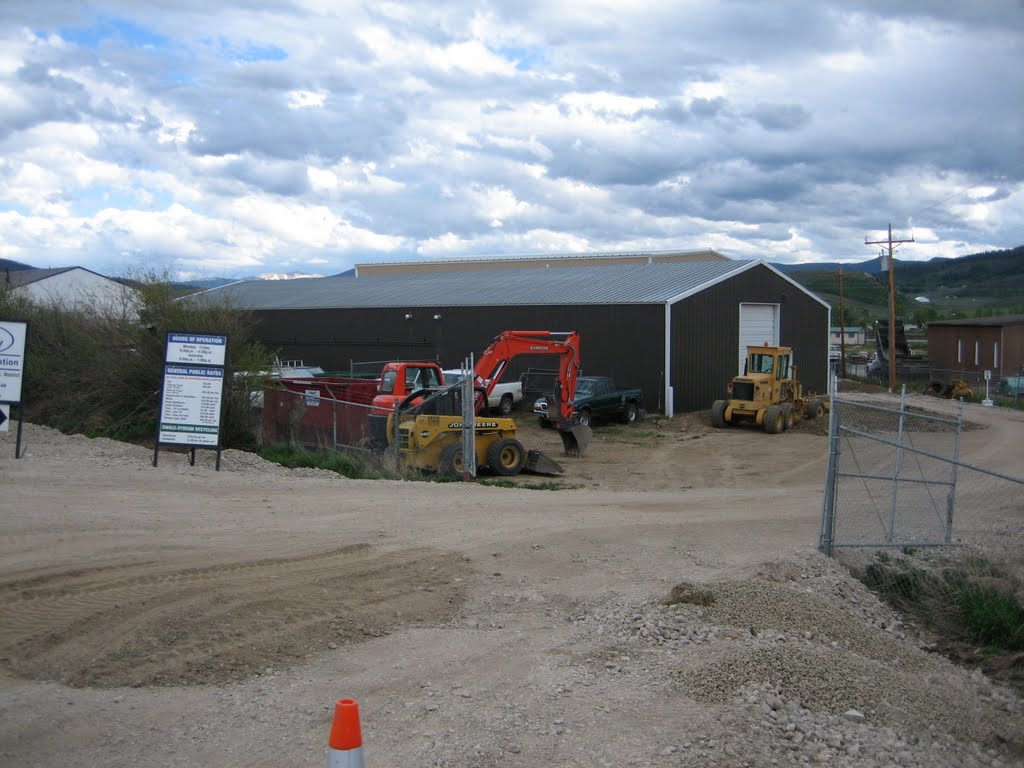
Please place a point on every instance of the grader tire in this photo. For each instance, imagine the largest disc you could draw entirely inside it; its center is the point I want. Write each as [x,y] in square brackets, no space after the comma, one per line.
[789,417]
[774,420]
[815,409]
[718,414]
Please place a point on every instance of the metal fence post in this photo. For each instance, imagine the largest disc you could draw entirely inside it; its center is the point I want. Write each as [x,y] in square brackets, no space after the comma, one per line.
[828,512]
[899,464]
[468,420]
[395,444]
[334,421]
[951,497]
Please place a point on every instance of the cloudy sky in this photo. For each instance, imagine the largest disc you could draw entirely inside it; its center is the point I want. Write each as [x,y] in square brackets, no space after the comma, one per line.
[304,136]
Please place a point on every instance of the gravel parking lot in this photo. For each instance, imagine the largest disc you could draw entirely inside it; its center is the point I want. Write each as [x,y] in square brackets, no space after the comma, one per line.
[667,607]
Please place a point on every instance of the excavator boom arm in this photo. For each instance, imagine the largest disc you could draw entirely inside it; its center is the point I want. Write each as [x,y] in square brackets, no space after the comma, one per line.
[566,344]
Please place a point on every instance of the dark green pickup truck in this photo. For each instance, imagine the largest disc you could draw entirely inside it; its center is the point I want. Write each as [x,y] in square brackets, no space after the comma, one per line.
[597,397]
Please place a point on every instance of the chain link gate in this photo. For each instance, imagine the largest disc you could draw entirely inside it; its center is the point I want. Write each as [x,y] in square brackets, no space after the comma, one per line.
[892,476]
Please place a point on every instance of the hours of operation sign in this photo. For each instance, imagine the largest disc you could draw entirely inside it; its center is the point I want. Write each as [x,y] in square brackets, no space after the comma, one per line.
[196,349]
[190,414]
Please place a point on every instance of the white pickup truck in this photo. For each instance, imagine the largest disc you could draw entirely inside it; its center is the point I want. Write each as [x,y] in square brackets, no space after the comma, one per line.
[502,398]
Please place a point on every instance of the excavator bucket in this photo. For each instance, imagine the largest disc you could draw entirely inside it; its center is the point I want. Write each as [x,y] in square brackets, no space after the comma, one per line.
[575,437]
[539,464]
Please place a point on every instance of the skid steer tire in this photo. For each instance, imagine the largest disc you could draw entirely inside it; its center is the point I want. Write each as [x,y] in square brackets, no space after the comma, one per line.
[506,457]
[718,414]
[450,464]
[774,420]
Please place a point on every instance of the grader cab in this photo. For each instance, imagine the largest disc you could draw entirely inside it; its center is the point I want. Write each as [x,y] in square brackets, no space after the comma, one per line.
[767,394]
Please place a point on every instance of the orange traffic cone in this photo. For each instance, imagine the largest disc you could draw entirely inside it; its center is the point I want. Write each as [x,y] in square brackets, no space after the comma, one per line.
[345,744]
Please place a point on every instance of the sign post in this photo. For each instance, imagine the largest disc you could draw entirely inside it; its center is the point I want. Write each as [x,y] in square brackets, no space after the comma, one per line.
[191,400]
[13,337]
[988,400]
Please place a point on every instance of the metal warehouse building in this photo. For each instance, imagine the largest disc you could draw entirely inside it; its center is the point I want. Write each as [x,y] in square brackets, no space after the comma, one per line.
[676,329]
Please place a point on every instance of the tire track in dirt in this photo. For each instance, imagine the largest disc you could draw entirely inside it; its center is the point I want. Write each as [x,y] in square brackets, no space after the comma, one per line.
[123,625]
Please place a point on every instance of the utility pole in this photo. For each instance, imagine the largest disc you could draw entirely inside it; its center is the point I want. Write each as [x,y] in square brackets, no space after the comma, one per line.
[892,303]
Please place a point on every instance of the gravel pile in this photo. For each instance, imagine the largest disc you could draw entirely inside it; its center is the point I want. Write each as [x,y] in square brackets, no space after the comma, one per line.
[49,445]
[807,665]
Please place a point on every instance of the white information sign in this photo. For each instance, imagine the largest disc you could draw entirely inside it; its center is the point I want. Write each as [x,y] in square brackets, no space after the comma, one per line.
[190,412]
[12,360]
[196,349]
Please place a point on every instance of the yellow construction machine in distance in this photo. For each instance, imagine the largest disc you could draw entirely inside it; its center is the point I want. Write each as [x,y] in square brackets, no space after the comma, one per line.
[768,393]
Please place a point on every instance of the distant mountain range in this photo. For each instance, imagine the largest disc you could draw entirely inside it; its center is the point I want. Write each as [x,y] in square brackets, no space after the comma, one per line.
[991,283]
[204,284]
[8,264]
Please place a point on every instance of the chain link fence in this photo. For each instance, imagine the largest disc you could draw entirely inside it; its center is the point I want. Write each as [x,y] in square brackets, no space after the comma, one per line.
[939,538]
[891,477]
[326,413]
[333,413]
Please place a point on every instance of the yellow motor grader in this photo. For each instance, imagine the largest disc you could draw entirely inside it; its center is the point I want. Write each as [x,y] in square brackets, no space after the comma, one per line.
[767,393]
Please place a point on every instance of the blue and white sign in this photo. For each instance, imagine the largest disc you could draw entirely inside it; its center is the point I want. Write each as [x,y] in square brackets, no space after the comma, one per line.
[12,360]
[190,411]
[196,349]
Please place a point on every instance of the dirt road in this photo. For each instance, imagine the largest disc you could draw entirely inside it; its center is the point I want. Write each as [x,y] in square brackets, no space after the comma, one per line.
[181,616]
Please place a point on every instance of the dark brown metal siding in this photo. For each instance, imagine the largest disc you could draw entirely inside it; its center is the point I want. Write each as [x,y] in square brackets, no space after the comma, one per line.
[622,341]
[706,335]
[942,348]
[1012,361]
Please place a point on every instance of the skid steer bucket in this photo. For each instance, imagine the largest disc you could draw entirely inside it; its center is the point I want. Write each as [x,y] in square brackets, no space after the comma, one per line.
[575,437]
[539,464]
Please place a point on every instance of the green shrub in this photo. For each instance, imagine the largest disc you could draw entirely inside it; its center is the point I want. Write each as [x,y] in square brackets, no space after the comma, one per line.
[357,466]
[896,585]
[99,372]
[991,616]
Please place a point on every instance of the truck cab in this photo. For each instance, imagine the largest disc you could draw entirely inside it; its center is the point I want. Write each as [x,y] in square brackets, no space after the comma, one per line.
[398,380]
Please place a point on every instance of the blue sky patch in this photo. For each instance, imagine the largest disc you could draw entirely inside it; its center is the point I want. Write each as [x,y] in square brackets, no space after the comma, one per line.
[248,51]
[90,201]
[526,59]
[129,32]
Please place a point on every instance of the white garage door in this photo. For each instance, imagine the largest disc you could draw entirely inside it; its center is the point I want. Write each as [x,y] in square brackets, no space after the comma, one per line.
[759,324]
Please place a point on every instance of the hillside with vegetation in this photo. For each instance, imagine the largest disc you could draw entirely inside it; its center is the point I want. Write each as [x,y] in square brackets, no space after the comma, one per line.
[979,285]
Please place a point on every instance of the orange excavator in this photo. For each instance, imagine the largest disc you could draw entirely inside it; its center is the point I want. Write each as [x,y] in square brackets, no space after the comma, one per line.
[566,344]
[429,430]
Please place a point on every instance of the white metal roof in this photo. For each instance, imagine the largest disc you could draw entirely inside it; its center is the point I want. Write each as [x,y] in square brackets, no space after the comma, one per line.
[655,283]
